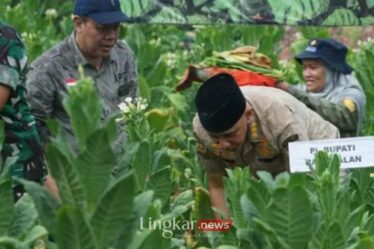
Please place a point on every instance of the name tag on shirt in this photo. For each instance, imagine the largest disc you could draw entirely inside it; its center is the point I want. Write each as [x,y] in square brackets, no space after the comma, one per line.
[355,152]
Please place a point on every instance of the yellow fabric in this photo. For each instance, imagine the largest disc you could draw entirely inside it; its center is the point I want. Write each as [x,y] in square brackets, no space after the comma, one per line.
[350,104]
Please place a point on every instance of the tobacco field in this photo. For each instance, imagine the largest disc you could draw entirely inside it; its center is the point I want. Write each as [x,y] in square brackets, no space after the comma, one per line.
[106,197]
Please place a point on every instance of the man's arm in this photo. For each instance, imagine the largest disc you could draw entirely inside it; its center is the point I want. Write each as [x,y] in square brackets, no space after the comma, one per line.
[342,116]
[40,95]
[338,114]
[129,86]
[217,194]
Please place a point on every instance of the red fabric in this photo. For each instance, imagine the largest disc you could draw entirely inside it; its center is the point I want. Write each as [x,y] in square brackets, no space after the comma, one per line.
[244,78]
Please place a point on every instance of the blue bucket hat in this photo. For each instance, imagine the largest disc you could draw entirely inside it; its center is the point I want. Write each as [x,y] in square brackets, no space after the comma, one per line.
[102,11]
[330,51]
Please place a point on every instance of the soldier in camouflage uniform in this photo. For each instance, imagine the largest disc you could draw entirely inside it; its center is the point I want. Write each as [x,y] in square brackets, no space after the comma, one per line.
[331,88]
[22,141]
[249,126]
[94,46]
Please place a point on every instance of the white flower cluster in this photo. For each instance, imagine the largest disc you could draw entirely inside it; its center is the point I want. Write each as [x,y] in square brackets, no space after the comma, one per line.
[139,104]
[170,59]
[51,13]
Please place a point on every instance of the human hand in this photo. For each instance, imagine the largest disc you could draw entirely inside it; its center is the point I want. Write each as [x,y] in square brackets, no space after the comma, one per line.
[51,186]
[282,85]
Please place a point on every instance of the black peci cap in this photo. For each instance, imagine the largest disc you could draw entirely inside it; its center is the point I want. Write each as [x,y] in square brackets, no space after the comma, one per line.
[219,103]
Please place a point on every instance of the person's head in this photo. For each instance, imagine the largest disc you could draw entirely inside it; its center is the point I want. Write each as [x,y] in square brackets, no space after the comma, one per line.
[319,56]
[223,111]
[97,25]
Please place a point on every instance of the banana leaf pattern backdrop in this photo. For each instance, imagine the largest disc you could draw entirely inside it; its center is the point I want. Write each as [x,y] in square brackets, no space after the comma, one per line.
[291,12]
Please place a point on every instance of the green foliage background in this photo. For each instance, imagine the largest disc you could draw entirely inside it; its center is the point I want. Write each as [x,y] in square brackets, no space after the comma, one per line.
[157,175]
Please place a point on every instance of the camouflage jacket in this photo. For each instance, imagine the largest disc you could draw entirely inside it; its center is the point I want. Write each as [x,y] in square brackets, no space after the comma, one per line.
[57,69]
[22,141]
[343,115]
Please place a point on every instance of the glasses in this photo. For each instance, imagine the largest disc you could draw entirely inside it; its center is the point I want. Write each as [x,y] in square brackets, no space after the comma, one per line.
[102,28]
[106,28]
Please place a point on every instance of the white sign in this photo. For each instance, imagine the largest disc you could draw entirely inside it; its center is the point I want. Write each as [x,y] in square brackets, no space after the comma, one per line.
[354,152]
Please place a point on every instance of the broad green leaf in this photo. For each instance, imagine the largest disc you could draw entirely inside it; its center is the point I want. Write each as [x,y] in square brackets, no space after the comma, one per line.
[227,247]
[260,196]
[158,73]
[292,12]
[365,243]
[59,137]
[158,118]
[160,183]
[327,195]
[67,178]
[178,101]
[142,203]
[355,217]
[297,179]
[291,216]
[328,237]
[141,164]
[236,184]
[369,20]
[322,162]
[270,237]
[73,230]
[10,243]
[342,16]
[25,217]
[113,210]
[36,233]
[84,109]
[45,204]
[137,7]
[282,180]
[247,209]
[144,90]
[202,207]
[183,198]
[335,168]
[268,180]
[7,203]
[95,164]
[169,15]
[369,225]
[343,211]
[149,239]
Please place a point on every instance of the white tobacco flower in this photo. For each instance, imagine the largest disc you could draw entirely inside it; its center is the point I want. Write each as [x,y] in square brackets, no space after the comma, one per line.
[128,99]
[51,13]
[142,107]
[124,107]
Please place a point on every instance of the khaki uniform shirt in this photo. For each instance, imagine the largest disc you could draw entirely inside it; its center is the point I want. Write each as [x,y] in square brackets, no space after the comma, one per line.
[57,69]
[279,118]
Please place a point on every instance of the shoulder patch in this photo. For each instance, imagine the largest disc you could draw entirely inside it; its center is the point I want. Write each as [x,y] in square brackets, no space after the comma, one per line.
[291,138]
[350,104]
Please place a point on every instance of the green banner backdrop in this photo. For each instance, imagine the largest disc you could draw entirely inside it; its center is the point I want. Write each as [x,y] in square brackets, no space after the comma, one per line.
[289,12]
